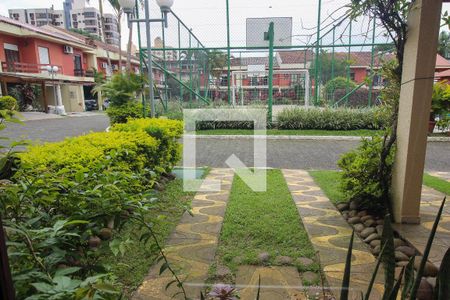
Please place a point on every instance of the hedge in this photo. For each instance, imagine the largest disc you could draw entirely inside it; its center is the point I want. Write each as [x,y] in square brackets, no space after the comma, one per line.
[330,119]
[167,132]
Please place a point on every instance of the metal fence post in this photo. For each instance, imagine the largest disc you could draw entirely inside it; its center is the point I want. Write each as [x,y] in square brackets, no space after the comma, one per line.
[228,51]
[271,40]
[141,61]
[372,63]
[316,71]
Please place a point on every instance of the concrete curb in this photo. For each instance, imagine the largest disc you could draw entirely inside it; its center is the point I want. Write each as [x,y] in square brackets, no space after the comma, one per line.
[296,137]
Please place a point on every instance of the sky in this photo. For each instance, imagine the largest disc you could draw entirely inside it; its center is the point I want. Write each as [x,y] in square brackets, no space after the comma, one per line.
[207,19]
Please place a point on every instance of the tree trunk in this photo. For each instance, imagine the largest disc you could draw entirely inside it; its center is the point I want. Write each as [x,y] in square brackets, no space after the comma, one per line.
[130,40]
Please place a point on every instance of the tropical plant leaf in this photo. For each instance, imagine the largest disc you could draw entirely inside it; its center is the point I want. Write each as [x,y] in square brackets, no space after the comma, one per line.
[259,287]
[388,258]
[396,288]
[442,290]
[348,265]
[426,252]
[409,278]
[374,275]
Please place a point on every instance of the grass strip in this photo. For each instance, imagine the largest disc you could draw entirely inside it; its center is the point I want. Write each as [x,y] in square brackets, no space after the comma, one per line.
[329,182]
[436,183]
[257,222]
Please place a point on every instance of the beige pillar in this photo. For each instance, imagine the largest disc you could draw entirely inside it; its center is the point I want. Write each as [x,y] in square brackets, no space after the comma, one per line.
[414,111]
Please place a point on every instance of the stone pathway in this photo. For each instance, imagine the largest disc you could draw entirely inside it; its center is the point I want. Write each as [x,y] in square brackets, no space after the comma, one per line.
[192,246]
[330,236]
[442,175]
[417,234]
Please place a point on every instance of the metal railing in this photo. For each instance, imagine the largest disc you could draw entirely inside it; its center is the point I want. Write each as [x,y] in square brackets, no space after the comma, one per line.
[19,67]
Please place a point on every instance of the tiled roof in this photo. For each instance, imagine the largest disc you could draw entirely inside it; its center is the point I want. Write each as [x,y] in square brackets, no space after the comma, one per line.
[295,57]
[442,63]
[246,61]
[40,30]
[364,59]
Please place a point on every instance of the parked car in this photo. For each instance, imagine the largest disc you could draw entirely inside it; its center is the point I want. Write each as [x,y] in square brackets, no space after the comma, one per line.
[91,104]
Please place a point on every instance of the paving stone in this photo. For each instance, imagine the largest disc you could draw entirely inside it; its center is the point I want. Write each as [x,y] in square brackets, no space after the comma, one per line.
[304,261]
[406,250]
[367,231]
[354,220]
[283,260]
[373,236]
[358,227]
[400,256]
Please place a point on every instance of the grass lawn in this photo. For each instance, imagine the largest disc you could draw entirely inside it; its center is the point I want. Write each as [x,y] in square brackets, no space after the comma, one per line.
[257,222]
[436,183]
[329,182]
[131,268]
[362,132]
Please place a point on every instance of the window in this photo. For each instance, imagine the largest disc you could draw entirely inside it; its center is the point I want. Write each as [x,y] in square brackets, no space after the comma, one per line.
[352,76]
[89,14]
[44,57]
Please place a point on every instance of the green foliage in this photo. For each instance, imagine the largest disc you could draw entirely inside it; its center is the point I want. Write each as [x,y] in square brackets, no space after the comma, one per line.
[27,96]
[360,173]
[326,64]
[336,84]
[167,132]
[444,44]
[122,113]
[440,103]
[330,119]
[122,88]
[8,103]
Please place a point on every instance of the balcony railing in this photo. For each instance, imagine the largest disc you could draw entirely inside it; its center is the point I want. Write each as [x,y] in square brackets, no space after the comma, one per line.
[83,73]
[18,67]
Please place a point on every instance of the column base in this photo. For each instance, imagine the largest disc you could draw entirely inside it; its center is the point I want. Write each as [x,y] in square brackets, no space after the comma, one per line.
[57,110]
[410,220]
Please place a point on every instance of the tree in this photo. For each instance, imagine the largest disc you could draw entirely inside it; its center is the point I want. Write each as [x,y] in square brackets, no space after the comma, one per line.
[217,62]
[328,68]
[444,44]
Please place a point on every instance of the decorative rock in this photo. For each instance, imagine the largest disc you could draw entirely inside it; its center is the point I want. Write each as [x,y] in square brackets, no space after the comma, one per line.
[376,250]
[342,206]
[304,261]
[352,213]
[365,218]
[263,257]
[309,276]
[430,270]
[380,222]
[398,272]
[362,213]
[379,229]
[398,243]
[369,223]
[432,281]
[401,263]
[366,232]
[375,243]
[283,260]
[425,291]
[354,220]
[223,271]
[345,215]
[358,227]
[354,205]
[406,250]
[373,236]
[400,256]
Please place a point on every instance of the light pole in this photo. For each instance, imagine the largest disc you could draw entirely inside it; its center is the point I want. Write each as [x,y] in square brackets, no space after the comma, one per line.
[59,108]
[128,7]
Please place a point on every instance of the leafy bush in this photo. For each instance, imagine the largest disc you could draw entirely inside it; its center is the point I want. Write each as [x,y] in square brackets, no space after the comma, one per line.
[121,114]
[167,132]
[440,104]
[8,103]
[336,84]
[122,88]
[330,119]
[359,98]
[360,180]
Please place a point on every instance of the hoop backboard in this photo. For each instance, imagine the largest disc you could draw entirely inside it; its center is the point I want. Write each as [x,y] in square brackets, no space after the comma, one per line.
[257,27]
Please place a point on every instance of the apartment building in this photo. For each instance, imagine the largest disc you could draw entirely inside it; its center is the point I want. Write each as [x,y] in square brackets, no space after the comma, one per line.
[76,15]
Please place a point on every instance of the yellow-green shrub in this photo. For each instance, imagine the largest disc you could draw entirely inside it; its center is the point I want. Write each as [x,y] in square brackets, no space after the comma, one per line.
[167,132]
[133,151]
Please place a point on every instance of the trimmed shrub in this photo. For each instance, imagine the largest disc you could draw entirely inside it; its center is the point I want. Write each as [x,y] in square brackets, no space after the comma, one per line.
[121,114]
[330,119]
[338,83]
[167,132]
[360,173]
[8,103]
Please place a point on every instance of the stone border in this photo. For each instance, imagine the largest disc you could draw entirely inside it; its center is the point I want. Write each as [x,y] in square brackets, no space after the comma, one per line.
[297,137]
